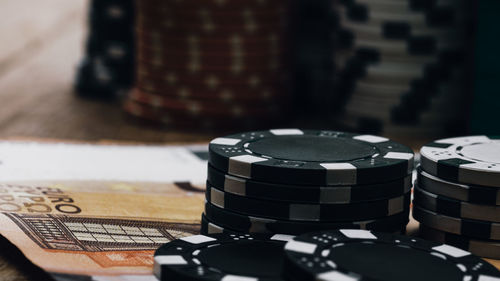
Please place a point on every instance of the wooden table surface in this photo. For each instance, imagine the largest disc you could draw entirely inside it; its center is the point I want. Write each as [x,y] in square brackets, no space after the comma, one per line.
[39,54]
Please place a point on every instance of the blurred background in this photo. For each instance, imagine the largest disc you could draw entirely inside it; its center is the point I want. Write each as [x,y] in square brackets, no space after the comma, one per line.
[188,70]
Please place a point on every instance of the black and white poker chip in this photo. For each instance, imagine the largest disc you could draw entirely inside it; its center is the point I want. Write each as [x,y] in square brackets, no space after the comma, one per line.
[483,248]
[454,208]
[411,46]
[209,227]
[308,193]
[231,257]
[466,227]
[309,157]
[350,254]
[425,12]
[254,224]
[307,212]
[444,17]
[468,160]
[475,194]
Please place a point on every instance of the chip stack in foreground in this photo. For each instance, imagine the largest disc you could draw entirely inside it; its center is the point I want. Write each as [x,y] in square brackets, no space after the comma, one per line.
[210,64]
[350,254]
[401,66]
[457,195]
[220,256]
[345,254]
[293,181]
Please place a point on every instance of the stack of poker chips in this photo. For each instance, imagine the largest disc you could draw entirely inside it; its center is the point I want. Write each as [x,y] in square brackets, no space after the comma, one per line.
[293,181]
[209,64]
[107,69]
[401,66]
[457,194]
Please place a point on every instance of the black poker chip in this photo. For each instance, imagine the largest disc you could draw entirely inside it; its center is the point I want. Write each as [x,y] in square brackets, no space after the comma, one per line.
[209,227]
[308,193]
[257,257]
[483,248]
[455,208]
[307,212]
[444,16]
[311,157]
[350,254]
[475,194]
[254,224]
[466,227]
[420,45]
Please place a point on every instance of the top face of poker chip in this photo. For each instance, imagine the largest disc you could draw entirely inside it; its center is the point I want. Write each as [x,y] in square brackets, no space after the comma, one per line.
[231,257]
[473,160]
[311,157]
[351,254]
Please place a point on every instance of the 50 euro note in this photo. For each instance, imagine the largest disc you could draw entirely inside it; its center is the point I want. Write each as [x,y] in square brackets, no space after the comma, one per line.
[99,228]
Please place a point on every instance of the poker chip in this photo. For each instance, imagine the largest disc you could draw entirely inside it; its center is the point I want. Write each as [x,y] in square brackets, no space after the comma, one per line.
[199,93]
[307,212]
[184,61]
[197,107]
[468,160]
[310,157]
[361,8]
[394,29]
[259,5]
[208,227]
[405,21]
[483,248]
[308,194]
[466,227]
[415,46]
[475,194]
[349,254]
[222,257]
[253,224]
[455,208]
[203,16]
[215,80]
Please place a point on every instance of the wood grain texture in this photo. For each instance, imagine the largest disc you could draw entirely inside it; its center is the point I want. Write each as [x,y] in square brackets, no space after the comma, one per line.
[37,67]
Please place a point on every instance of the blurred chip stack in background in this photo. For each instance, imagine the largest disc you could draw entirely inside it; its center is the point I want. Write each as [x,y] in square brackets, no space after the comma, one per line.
[108,66]
[401,66]
[393,68]
[210,64]
[312,34]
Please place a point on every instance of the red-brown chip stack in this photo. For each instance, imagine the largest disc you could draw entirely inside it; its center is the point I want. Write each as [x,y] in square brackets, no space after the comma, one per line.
[210,63]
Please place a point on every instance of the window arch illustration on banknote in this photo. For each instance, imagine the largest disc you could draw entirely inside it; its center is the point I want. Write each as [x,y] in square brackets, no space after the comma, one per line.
[106,241]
